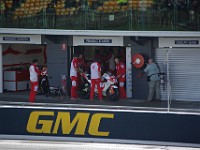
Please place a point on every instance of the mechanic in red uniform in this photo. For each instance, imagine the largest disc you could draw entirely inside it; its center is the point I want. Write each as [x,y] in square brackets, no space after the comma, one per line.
[95,79]
[120,74]
[74,75]
[34,72]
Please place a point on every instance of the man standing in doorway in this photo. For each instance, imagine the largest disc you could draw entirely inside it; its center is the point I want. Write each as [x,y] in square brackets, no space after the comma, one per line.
[95,79]
[34,72]
[153,79]
[121,74]
[74,75]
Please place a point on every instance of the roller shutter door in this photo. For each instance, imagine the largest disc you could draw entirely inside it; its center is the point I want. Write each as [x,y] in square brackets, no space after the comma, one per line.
[184,70]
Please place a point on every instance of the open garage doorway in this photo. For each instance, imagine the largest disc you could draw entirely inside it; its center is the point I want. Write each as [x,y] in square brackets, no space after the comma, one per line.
[106,55]
[16,62]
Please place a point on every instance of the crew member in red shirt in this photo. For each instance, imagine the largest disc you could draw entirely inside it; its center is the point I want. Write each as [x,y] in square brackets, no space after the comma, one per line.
[121,74]
[74,75]
[95,79]
[34,72]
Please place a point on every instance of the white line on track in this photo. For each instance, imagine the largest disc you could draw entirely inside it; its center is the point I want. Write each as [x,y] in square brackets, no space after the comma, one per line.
[50,145]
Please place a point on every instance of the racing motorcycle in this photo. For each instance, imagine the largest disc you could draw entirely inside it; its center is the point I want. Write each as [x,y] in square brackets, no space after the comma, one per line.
[44,87]
[108,85]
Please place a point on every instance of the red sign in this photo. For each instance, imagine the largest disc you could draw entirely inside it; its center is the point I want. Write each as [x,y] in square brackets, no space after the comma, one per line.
[138,60]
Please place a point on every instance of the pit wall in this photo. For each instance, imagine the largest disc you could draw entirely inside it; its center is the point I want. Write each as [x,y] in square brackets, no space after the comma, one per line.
[99,124]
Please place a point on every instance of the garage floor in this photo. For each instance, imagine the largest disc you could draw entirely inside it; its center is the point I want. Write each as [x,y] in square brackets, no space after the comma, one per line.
[21,98]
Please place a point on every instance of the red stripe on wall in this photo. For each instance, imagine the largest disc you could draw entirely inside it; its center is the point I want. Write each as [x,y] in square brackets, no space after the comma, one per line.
[11,51]
[33,51]
[14,65]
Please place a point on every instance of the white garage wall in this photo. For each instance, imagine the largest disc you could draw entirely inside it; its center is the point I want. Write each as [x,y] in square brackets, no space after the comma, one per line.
[11,59]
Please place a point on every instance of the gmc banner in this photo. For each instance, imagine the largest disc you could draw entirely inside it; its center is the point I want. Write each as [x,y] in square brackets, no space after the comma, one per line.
[101,124]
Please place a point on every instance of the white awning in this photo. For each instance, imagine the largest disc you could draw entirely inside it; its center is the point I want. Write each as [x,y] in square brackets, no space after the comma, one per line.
[100,32]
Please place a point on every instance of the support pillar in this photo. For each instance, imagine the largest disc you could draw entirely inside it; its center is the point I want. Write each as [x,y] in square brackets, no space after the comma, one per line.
[129,85]
[1,69]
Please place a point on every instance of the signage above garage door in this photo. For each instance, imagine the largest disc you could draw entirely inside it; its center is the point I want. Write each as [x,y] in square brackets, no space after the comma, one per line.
[22,39]
[97,41]
[179,42]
